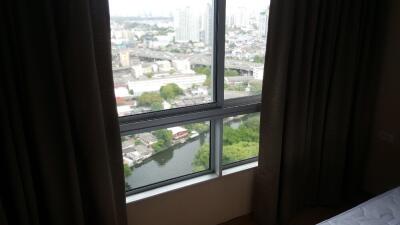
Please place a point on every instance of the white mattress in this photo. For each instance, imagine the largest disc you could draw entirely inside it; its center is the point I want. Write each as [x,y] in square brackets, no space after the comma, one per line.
[381,210]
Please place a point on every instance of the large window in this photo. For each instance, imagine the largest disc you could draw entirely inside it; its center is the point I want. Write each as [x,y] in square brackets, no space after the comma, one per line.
[187,79]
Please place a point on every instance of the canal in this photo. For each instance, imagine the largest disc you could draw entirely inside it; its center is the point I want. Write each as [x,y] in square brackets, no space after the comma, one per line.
[171,163]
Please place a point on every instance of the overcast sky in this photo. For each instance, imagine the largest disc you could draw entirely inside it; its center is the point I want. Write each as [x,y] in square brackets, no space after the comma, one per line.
[165,7]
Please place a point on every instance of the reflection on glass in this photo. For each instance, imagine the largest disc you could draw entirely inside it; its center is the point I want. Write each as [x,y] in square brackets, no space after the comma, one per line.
[245,44]
[240,138]
[161,54]
[163,154]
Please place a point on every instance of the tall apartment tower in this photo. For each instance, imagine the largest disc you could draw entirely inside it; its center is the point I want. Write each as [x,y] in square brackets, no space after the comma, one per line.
[187,25]
[208,27]
[263,24]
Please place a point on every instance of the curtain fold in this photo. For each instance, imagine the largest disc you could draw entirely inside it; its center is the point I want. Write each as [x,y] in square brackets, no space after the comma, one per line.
[316,106]
[60,158]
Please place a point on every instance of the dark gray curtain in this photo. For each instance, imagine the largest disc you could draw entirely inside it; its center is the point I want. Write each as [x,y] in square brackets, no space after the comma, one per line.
[60,157]
[316,106]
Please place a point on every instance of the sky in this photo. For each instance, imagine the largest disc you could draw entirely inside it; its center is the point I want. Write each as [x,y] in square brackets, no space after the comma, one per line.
[165,7]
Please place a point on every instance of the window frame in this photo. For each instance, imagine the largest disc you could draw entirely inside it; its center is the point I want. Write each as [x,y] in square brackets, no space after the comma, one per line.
[213,112]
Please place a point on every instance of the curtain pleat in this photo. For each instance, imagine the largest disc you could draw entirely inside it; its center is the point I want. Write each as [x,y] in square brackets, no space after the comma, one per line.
[314,119]
[61,157]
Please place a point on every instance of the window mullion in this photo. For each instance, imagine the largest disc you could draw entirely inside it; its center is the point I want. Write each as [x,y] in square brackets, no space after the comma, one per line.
[216,146]
[219,51]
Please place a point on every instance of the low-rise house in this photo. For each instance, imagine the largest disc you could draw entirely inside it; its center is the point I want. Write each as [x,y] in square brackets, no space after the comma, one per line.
[178,132]
[147,138]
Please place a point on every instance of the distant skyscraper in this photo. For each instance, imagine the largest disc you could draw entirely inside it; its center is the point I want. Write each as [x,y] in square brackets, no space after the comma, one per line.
[187,25]
[263,24]
[208,24]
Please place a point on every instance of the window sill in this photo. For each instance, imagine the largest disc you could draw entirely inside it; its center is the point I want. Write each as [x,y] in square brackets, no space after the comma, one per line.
[186,183]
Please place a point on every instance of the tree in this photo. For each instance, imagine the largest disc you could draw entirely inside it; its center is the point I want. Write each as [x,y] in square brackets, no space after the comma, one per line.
[202,159]
[198,127]
[206,70]
[259,59]
[127,170]
[239,151]
[164,139]
[231,73]
[150,99]
[170,91]
[256,87]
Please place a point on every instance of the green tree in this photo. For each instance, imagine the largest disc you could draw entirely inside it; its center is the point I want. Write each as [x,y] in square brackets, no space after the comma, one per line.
[206,70]
[238,144]
[127,170]
[170,91]
[231,73]
[164,140]
[199,127]
[202,159]
[150,99]
[256,87]
[259,59]
[239,151]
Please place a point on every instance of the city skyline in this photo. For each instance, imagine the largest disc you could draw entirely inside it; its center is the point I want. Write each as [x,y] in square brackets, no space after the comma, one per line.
[129,8]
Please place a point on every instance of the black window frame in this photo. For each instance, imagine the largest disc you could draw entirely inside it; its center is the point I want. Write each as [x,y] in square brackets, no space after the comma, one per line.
[213,112]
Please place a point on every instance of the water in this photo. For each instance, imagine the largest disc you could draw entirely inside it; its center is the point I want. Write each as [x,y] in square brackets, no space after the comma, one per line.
[170,163]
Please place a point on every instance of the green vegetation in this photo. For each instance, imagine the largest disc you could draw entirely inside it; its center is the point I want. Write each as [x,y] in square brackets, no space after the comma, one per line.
[198,127]
[259,59]
[151,99]
[170,91]
[127,170]
[239,151]
[149,75]
[164,140]
[238,144]
[202,159]
[231,73]
[256,87]
[206,70]
[127,173]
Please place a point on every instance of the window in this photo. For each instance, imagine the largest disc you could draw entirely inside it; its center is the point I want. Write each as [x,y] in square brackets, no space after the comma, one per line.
[187,80]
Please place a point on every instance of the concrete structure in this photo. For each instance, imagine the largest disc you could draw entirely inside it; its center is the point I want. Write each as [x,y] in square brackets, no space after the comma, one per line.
[258,73]
[121,92]
[178,132]
[137,71]
[124,58]
[147,138]
[208,27]
[184,81]
[263,24]
[164,66]
[182,66]
[187,25]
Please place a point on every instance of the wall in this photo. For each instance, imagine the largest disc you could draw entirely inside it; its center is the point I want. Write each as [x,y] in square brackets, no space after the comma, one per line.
[209,203]
[383,164]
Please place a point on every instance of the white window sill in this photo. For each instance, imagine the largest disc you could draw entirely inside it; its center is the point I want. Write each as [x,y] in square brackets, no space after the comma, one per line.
[186,183]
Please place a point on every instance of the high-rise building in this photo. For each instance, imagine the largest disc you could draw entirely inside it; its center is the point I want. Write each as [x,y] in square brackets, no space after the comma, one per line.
[208,24]
[187,25]
[263,24]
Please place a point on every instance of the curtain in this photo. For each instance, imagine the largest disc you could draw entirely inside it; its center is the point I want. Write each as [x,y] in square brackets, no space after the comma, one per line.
[316,106]
[60,153]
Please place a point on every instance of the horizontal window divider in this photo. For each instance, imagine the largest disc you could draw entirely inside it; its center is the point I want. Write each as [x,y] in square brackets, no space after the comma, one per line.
[239,163]
[168,182]
[167,112]
[185,118]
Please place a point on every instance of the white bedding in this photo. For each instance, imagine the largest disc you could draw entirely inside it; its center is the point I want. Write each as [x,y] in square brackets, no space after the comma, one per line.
[381,210]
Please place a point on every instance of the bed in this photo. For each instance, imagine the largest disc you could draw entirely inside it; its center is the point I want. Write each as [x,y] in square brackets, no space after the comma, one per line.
[383,209]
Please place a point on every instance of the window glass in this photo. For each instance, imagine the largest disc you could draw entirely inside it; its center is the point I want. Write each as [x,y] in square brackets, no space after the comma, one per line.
[240,137]
[164,154]
[245,43]
[161,54]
